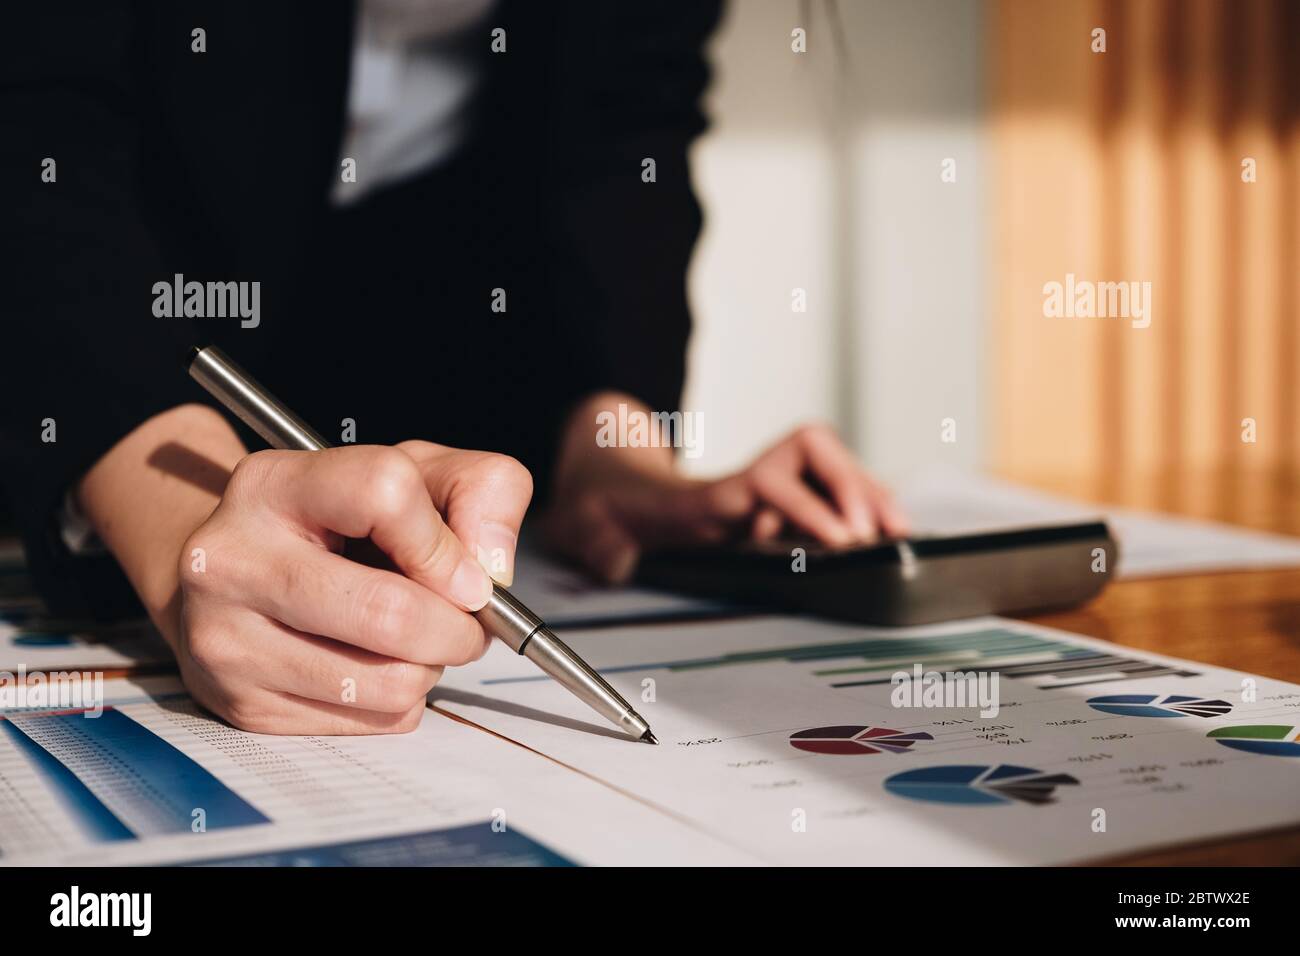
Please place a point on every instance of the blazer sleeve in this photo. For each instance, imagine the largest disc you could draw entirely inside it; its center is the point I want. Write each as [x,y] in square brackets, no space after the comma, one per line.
[628,79]
[85,359]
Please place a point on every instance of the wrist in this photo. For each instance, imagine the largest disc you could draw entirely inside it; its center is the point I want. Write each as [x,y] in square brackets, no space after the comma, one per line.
[151,490]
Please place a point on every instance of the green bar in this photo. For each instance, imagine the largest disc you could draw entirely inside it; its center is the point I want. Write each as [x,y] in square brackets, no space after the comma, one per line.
[1253,732]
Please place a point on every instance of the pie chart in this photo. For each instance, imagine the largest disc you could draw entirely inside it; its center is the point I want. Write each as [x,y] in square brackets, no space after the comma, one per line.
[975,784]
[1154,705]
[854,740]
[1271,740]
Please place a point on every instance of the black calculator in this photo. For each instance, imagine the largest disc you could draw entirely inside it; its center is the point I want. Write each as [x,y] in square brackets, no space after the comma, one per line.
[905,581]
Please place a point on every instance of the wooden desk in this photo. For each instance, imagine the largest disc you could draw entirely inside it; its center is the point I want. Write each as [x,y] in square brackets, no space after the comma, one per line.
[1248,620]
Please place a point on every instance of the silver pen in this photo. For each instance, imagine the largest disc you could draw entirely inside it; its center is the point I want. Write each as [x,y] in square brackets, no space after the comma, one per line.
[503,616]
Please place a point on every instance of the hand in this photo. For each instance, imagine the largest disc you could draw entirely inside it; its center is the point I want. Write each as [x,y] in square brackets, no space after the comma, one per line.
[283,634]
[611,504]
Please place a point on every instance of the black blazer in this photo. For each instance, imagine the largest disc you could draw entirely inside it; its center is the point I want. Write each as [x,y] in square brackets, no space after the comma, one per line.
[217,165]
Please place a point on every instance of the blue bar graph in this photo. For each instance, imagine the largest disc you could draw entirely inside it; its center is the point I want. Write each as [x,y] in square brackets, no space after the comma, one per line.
[119,780]
[473,845]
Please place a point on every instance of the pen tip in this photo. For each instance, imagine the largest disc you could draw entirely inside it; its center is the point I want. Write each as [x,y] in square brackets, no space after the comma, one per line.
[649,738]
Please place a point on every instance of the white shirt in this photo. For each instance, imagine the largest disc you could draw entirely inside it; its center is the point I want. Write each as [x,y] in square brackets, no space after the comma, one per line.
[412,75]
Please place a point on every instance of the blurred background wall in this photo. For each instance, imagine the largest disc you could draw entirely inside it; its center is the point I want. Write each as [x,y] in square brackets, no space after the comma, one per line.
[824,171]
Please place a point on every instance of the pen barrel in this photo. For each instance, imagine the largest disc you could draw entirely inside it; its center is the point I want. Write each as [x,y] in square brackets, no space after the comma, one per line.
[558,661]
[524,633]
[505,618]
[250,403]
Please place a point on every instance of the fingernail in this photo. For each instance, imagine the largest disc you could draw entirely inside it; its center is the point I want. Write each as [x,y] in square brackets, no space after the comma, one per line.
[496,551]
[470,585]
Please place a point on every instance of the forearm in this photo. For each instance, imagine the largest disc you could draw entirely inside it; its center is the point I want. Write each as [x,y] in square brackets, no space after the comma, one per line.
[151,490]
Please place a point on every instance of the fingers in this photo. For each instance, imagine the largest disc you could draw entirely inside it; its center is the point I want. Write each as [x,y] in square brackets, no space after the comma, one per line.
[274,712]
[294,715]
[243,649]
[838,471]
[892,519]
[316,668]
[484,497]
[784,487]
[380,493]
[767,524]
[318,592]
[859,508]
